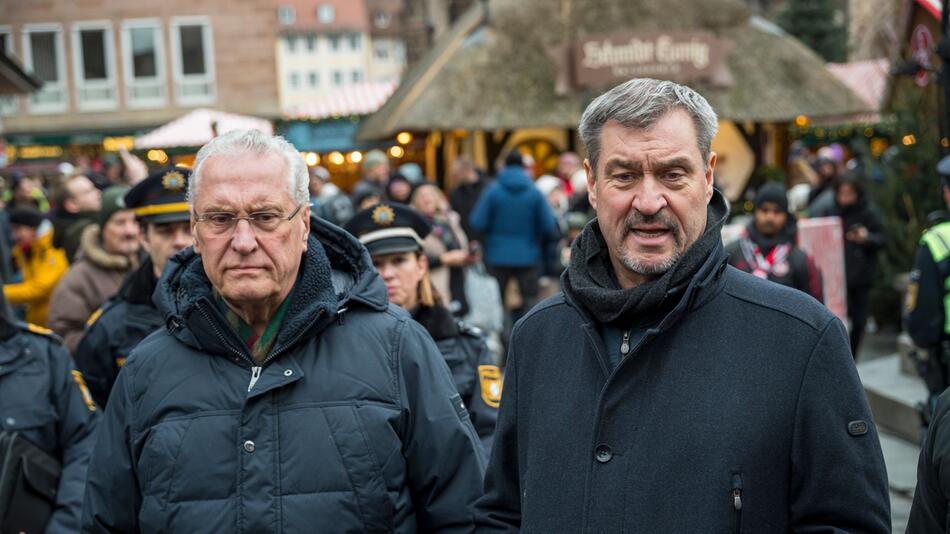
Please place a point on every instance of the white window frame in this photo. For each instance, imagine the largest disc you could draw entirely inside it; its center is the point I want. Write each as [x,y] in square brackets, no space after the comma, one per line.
[80,84]
[8,103]
[159,81]
[61,104]
[293,80]
[313,79]
[326,8]
[356,41]
[286,15]
[182,81]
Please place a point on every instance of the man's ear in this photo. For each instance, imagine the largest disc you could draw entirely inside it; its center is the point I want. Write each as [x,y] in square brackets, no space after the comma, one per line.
[306,225]
[710,174]
[591,190]
[194,233]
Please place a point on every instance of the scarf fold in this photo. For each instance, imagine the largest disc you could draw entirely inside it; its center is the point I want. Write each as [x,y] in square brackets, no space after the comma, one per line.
[594,285]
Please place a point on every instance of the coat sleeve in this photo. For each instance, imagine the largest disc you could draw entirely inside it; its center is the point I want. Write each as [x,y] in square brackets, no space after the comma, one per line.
[923,309]
[444,460]
[838,480]
[112,499]
[499,510]
[546,222]
[481,213]
[929,511]
[96,360]
[41,285]
[877,232]
[483,400]
[68,311]
[76,426]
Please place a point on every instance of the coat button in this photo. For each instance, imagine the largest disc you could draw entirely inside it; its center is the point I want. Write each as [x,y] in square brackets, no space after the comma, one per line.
[288,372]
[603,454]
[249,446]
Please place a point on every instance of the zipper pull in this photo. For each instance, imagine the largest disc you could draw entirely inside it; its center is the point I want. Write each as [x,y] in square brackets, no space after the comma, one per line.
[625,346]
[737,491]
[255,375]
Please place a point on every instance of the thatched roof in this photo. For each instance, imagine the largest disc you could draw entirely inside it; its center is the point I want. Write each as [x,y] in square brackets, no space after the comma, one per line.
[500,76]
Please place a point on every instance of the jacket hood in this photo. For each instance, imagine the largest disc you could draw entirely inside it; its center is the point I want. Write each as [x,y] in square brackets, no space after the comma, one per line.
[336,273]
[91,250]
[514,179]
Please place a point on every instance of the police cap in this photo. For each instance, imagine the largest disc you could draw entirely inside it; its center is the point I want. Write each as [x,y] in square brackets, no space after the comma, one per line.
[160,198]
[389,228]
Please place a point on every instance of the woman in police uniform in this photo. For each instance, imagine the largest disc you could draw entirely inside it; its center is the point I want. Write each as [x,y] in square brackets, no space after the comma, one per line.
[393,234]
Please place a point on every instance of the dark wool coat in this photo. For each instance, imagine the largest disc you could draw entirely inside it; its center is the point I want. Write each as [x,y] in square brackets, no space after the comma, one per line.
[740,411]
[354,424]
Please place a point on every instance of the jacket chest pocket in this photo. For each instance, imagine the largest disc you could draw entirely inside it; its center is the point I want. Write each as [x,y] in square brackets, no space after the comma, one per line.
[36,422]
[158,460]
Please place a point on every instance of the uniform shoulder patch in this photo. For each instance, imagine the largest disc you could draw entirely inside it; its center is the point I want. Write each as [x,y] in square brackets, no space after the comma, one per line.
[83,390]
[40,331]
[489,376]
[95,316]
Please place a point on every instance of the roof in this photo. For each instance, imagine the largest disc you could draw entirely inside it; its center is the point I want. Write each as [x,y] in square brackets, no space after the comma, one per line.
[499,75]
[348,15]
[360,99]
[868,79]
[198,128]
[932,6]
[13,79]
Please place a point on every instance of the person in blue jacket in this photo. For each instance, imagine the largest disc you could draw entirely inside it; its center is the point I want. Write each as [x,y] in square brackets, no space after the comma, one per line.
[284,393]
[44,398]
[516,221]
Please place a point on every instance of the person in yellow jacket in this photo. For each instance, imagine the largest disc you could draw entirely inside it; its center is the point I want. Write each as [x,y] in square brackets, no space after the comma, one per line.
[41,264]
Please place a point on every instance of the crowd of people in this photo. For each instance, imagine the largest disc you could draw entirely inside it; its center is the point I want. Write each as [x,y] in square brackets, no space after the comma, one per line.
[244,346]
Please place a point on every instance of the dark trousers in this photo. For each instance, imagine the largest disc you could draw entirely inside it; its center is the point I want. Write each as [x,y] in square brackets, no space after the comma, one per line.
[527,278]
[858,313]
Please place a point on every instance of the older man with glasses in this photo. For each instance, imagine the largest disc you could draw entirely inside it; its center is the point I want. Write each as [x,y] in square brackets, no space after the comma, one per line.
[284,393]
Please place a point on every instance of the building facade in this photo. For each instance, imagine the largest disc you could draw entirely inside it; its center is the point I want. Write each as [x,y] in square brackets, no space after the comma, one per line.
[112,68]
[326,46]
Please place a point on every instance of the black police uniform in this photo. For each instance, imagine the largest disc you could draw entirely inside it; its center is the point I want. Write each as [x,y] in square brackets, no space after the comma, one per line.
[44,398]
[390,228]
[130,316]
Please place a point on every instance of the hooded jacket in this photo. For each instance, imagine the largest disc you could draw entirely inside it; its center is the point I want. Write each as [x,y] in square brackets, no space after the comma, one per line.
[42,267]
[351,424]
[516,220]
[93,279]
[689,432]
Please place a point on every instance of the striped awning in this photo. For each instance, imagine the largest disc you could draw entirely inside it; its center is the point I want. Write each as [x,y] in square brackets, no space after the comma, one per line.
[933,6]
[198,127]
[361,99]
[868,79]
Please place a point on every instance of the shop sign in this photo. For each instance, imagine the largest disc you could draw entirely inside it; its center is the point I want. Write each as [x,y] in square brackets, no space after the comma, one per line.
[681,56]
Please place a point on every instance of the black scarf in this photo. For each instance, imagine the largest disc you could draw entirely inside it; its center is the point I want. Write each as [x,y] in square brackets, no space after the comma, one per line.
[437,320]
[592,282]
[767,243]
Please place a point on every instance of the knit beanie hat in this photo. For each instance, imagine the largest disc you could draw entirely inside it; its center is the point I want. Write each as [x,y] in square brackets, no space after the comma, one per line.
[773,192]
[26,217]
[112,202]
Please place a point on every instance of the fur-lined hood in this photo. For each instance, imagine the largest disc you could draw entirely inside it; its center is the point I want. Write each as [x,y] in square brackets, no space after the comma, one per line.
[90,249]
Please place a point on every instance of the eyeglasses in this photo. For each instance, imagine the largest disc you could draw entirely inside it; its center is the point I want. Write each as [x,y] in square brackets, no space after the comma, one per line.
[222,222]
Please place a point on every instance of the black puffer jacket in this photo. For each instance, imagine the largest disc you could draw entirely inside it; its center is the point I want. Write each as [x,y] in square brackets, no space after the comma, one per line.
[860,260]
[354,424]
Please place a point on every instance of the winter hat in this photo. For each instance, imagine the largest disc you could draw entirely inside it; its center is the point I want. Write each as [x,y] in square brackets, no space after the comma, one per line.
[26,217]
[515,159]
[374,158]
[112,201]
[773,192]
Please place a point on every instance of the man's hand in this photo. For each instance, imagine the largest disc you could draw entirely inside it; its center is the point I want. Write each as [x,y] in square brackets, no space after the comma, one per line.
[858,234]
[454,258]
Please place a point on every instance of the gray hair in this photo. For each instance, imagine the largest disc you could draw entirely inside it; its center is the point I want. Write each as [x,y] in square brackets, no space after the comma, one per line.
[642,102]
[255,142]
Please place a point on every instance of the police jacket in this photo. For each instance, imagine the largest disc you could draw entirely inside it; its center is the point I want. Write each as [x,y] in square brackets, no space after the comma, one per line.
[476,376]
[925,311]
[739,411]
[44,398]
[352,425]
[116,329]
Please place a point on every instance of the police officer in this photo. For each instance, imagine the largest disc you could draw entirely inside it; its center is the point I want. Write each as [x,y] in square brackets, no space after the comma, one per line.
[393,234]
[45,400]
[926,316]
[160,207]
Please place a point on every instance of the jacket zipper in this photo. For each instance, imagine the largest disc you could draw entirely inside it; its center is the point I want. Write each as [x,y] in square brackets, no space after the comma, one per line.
[255,376]
[737,499]
[625,344]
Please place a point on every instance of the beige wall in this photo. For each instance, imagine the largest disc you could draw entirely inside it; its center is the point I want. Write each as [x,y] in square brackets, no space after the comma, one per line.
[244,66]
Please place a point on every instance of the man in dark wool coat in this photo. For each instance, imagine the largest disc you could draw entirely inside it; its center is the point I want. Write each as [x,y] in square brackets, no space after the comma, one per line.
[662,390]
